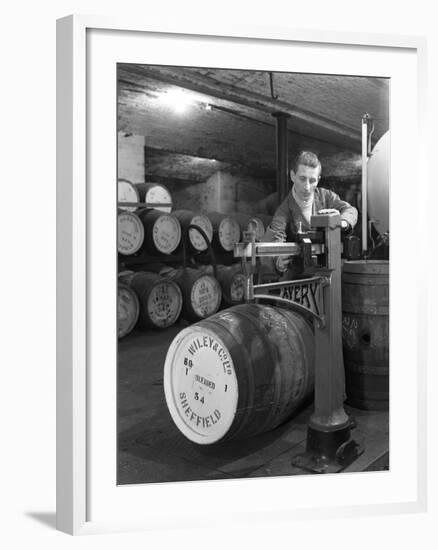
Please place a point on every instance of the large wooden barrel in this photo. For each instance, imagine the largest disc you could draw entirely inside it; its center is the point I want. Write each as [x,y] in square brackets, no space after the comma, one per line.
[196,240]
[226,231]
[155,193]
[128,309]
[365,331]
[201,293]
[160,298]
[239,373]
[130,232]
[127,192]
[162,231]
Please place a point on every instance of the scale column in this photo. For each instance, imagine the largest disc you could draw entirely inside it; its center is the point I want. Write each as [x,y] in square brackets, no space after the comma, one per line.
[329,444]
[329,364]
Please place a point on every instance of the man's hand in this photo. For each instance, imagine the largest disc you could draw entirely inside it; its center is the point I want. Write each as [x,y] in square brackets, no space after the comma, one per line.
[279,235]
[282,263]
[344,224]
[328,211]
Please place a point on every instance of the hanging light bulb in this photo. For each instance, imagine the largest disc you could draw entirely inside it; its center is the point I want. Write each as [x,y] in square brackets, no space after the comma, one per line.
[177,100]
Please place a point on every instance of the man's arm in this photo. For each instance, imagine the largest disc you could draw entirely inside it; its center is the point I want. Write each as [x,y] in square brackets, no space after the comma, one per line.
[348,212]
[276,232]
[277,228]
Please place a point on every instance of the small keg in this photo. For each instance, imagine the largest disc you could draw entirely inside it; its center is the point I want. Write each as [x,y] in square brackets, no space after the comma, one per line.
[196,240]
[226,231]
[128,309]
[130,232]
[155,193]
[232,282]
[160,298]
[260,222]
[127,192]
[201,293]
[162,231]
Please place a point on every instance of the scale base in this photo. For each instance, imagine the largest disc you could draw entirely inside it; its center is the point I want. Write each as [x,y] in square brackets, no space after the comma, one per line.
[328,451]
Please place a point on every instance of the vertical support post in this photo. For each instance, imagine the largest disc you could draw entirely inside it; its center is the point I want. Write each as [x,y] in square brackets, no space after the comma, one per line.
[365,120]
[329,363]
[249,267]
[282,155]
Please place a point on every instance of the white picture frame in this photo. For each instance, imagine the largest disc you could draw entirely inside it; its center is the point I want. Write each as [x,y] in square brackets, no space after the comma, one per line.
[85,421]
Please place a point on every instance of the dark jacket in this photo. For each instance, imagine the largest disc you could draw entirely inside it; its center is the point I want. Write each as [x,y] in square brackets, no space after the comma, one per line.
[289,213]
[284,226]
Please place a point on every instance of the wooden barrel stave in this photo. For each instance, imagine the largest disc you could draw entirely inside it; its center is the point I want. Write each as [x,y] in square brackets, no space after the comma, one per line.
[259,223]
[127,192]
[155,193]
[160,299]
[196,240]
[130,233]
[190,281]
[232,282]
[128,309]
[226,231]
[273,394]
[262,222]
[365,328]
[162,231]
[246,379]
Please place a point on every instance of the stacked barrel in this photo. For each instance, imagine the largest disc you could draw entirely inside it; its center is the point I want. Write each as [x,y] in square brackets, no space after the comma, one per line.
[154,194]
[128,309]
[153,228]
[199,228]
[175,263]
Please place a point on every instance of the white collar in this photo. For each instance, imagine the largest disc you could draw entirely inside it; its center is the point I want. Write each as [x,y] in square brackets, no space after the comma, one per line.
[303,203]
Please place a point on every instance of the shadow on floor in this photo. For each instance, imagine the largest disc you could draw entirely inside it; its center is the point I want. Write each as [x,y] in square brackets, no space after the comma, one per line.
[46,518]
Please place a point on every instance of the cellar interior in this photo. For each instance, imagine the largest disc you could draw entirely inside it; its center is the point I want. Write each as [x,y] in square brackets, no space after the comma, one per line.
[213,148]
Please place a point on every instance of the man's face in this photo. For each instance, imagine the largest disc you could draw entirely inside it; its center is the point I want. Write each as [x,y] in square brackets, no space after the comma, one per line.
[305,180]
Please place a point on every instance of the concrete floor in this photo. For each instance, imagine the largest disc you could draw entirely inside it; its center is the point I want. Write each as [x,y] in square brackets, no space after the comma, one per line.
[151,448]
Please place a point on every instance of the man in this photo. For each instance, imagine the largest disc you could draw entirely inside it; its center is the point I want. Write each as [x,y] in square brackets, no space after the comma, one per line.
[304,200]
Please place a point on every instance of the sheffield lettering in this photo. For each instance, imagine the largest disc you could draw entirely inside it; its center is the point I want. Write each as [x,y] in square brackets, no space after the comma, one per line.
[204,421]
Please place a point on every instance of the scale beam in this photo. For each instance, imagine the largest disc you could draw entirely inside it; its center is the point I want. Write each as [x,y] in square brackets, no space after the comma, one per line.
[250,249]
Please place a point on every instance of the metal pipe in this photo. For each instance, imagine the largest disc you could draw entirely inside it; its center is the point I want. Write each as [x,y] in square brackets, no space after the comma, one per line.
[365,119]
[282,155]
